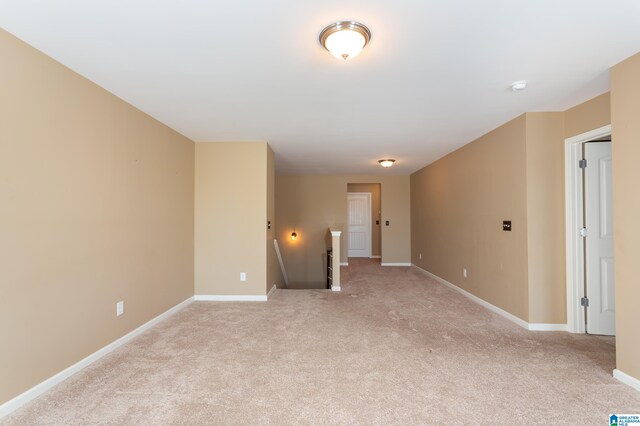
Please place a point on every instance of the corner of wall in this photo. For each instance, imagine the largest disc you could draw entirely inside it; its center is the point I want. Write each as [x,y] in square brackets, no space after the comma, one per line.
[231,218]
[545,219]
[625,110]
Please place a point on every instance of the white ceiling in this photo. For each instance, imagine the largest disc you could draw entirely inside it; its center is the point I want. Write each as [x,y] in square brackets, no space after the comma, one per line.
[435,76]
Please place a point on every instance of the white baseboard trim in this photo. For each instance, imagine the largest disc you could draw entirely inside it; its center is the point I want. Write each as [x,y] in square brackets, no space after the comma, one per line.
[344,263]
[52,381]
[627,379]
[335,288]
[374,257]
[230,298]
[476,299]
[273,289]
[522,323]
[548,327]
[395,264]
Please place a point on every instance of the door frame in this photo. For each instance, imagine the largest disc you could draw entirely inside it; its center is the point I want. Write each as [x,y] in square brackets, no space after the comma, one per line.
[573,198]
[369,196]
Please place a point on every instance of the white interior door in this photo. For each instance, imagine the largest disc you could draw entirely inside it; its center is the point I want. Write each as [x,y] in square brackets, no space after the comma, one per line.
[598,203]
[359,208]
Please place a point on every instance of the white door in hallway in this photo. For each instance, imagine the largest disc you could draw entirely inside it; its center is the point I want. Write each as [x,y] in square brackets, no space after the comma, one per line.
[359,208]
[598,208]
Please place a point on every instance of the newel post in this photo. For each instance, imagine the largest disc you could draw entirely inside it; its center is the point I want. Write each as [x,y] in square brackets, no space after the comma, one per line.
[335,270]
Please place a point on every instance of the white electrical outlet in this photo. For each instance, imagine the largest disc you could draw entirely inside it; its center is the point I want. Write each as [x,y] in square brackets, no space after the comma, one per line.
[243,276]
[464,272]
[120,308]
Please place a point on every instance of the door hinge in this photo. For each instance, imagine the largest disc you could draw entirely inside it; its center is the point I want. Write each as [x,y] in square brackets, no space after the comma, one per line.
[584,302]
[584,232]
[582,163]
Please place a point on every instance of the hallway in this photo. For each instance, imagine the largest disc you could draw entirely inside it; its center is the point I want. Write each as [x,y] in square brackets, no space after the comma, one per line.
[394,347]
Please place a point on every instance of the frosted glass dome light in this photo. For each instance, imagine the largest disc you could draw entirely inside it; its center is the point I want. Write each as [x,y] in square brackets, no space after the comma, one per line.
[345,39]
[388,162]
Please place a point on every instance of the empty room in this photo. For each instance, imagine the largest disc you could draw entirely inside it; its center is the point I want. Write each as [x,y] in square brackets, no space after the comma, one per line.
[319,212]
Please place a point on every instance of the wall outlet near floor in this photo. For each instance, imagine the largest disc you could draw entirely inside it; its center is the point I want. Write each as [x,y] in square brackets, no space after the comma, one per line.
[243,276]
[464,272]
[120,308]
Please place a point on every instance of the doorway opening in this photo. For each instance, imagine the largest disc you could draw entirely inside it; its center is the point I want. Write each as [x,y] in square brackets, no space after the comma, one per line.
[364,239]
[589,233]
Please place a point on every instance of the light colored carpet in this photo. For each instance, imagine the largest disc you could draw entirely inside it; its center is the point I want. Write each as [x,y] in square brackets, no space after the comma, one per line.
[394,347]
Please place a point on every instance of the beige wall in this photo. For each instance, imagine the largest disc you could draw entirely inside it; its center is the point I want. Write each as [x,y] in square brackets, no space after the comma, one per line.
[458,204]
[96,207]
[442,198]
[313,203]
[545,217]
[231,186]
[625,111]
[517,168]
[376,212]
[589,115]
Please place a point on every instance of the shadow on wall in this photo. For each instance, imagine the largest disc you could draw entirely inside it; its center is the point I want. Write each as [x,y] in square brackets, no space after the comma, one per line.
[315,268]
[307,286]
[301,285]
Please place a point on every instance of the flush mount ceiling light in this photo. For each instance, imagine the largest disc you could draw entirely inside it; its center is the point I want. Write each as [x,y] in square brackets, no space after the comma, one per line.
[519,86]
[387,162]
[345,39]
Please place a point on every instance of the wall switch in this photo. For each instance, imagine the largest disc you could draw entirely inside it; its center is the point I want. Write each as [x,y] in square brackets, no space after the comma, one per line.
[119,308]
[464,272]
[386,222]
[506,225]
[243,276]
